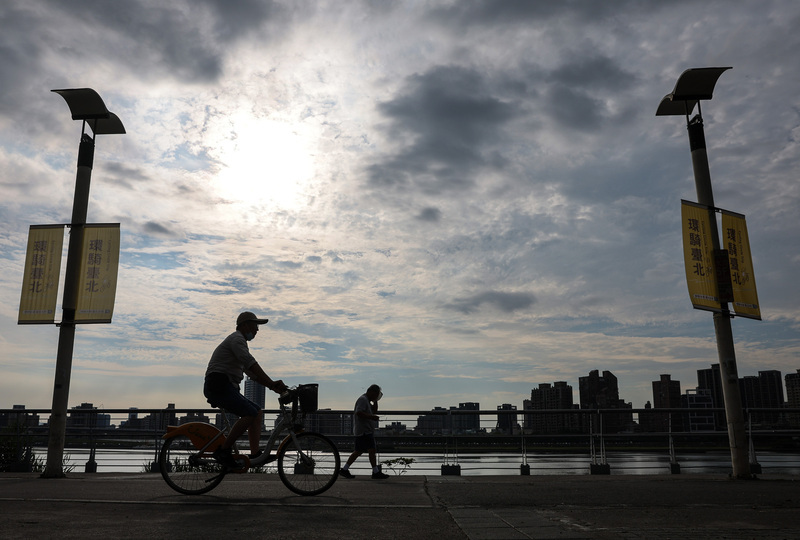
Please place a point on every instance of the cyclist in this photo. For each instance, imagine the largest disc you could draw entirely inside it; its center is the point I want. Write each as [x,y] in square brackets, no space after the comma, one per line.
[229,362]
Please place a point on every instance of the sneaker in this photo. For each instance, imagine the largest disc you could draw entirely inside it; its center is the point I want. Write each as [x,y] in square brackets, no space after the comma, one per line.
[344,473]
[379,476]
[256,455]
[224,456]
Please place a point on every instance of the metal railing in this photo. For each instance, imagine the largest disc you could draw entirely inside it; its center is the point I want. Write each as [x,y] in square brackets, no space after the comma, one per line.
[444,441]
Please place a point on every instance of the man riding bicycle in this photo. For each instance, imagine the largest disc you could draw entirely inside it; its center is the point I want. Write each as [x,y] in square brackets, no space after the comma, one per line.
[229,362]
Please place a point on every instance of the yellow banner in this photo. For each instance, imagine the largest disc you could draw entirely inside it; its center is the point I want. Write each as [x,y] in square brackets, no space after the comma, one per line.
[743,278]
[698,256]
[37,305]
[98,273]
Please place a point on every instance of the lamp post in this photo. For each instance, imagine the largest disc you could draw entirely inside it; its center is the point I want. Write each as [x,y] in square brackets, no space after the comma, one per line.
[86,105]
[693,86]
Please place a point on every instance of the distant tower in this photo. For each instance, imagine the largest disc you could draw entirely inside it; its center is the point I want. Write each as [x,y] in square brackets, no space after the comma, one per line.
[666,395]
[506,418]
[547,396]
[793,396]
[467,423]
[255,392]
[602,392]
[598,392]
[698,399]
[711,380]
[770,396]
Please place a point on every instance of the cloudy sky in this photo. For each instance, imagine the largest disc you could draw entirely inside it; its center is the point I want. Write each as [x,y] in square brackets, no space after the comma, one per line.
[457,200]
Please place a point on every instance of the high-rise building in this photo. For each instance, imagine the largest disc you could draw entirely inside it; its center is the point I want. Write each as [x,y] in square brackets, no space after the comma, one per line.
[329,423]
[255,392]
[467,423]
[711,380]
[793,397]
[699,398]
[666,395]
[85,415]
[602,392]
[557,396]
[507,418]
[763,392]
[770,393]
[432,424]
[19,418]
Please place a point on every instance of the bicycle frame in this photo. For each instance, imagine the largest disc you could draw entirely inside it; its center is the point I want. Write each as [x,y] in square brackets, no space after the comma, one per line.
[287,423]
[207,438]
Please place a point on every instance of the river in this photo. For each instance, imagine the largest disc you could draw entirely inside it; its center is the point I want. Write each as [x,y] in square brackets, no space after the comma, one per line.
[137,460]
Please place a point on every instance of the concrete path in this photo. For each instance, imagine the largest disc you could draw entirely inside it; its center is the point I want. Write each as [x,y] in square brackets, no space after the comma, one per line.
[408,507]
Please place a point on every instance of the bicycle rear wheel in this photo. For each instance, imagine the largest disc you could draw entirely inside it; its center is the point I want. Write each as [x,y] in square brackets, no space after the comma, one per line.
[310,466]
[186,470]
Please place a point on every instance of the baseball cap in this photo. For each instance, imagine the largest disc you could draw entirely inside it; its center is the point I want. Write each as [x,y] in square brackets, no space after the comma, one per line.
[249,316]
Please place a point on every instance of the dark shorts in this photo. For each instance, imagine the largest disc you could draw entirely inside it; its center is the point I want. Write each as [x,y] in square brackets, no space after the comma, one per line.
[365,442]
[221,393]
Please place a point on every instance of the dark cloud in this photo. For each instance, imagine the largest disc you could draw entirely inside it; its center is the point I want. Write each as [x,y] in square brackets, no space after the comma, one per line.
[121,174]
[172,37]
[224,287]
[452,121]
[152,227]
[505,302]
[430,214]
[593,73]
[514,12]
[460,124]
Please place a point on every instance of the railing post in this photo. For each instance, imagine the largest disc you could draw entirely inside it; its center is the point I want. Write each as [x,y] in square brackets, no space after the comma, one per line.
[674,466]
[524,468]
[755,466]
[450,469]
[603,467]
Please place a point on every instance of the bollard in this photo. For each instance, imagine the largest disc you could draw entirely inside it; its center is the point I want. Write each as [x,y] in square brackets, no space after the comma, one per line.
[91,465]
[451,470]
[599,468]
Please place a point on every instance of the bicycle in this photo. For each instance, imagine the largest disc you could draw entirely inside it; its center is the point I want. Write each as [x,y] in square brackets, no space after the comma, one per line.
[308,462]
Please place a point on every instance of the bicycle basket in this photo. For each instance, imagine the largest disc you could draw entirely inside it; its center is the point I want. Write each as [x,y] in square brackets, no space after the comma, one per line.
[307,394]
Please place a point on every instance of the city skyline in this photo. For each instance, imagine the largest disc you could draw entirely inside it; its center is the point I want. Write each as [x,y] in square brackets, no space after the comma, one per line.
[454,200]
[250,390]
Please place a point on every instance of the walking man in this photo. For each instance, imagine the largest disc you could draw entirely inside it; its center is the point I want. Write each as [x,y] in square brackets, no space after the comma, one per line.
[365,421]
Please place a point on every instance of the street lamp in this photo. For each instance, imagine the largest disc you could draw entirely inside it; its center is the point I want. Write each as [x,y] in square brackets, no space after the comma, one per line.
[86,105]
[695,85]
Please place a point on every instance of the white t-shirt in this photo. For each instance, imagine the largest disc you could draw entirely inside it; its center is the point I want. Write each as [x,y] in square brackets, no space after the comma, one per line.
[231,357]
[363,425]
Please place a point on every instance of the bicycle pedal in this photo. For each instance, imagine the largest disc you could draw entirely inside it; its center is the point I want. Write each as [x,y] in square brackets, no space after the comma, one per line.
[242,464]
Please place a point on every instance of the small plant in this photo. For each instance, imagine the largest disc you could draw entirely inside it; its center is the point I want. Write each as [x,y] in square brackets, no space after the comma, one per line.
[16,451]
[398,465]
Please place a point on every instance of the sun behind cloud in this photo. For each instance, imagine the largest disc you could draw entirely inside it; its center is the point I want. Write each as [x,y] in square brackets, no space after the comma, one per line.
[264,160]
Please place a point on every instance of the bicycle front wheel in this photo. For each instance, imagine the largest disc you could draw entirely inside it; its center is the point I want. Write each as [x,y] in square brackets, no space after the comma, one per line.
[309,463]
[186,470]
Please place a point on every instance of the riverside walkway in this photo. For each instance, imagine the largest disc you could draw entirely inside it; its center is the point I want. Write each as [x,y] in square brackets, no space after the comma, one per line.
[109,505]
